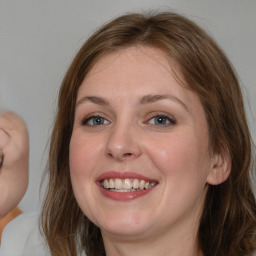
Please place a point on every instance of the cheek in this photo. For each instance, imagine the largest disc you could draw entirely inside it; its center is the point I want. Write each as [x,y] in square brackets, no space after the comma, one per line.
[181,162]
[83,154]
[83,161]
[180,157]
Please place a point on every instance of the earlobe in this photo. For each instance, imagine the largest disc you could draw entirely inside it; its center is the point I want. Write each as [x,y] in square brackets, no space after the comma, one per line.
[220,169]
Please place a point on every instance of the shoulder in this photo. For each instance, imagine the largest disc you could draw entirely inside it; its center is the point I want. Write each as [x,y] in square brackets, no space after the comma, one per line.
[22,236]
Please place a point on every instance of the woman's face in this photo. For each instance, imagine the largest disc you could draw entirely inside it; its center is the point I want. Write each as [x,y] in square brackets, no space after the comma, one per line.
[139,152]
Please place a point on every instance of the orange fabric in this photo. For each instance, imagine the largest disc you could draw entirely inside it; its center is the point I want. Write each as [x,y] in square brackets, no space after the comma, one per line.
[10,216]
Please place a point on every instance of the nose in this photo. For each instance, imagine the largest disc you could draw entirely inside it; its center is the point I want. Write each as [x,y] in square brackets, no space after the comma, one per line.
[123,143]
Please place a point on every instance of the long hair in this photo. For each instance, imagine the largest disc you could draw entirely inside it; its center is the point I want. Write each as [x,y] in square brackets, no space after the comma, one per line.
[228,222]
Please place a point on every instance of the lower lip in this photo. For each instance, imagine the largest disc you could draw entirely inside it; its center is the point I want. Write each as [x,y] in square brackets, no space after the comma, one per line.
[124,196]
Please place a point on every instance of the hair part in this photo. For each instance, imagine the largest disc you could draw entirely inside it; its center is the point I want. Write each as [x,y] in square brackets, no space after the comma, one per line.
[228,222]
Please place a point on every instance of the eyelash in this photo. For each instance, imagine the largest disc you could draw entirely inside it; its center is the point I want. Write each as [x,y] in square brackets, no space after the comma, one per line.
[86,120]
[165,118]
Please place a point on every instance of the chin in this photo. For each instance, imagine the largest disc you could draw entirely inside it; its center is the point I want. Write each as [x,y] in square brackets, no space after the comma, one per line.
[124,231]
[125,226]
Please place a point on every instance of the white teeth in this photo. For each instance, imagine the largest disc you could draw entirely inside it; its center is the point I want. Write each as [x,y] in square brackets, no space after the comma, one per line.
[111,183]
[106,184]
[127,185]
[142,184]
[136,183]
[118,184]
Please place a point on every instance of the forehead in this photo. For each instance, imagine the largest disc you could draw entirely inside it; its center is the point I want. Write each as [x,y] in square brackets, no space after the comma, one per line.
[133,65]
[135,53]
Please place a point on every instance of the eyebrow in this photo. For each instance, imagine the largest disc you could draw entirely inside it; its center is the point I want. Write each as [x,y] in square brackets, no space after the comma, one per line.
[153,98]
[93,99]
[147,99]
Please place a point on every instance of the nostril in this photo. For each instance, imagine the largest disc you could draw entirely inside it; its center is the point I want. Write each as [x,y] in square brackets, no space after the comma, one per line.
[127,155]
[121,156]
[109,154]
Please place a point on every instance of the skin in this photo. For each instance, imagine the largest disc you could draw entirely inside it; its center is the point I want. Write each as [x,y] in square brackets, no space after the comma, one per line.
[130,139]
[14,161]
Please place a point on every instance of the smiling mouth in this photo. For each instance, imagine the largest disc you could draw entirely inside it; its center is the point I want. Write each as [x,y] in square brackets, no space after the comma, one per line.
[127,185]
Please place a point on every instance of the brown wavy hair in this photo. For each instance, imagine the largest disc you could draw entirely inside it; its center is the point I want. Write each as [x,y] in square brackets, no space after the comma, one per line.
[228,222]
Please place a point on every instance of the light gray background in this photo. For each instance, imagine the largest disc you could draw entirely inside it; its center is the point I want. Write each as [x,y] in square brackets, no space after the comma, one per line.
[39,38]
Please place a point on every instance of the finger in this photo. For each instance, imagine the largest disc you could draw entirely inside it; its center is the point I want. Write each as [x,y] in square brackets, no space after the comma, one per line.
[1,160]
[4,138]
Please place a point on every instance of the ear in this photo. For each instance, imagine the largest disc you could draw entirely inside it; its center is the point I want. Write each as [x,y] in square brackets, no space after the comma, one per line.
[220,168]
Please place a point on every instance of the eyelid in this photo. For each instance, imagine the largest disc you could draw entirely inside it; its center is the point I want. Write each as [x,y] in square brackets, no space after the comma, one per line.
[171,118]
[87,118]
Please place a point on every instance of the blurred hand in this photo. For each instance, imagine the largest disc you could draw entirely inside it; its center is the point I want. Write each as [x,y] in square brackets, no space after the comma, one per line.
[13,161]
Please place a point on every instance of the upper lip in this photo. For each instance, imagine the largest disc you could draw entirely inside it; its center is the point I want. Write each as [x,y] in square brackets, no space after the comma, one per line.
[123,175]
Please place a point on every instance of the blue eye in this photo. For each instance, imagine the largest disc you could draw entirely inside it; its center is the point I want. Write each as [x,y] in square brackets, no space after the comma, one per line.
[95,121]
[161,120]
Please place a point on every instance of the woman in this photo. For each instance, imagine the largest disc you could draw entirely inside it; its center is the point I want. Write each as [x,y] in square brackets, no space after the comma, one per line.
[150,152]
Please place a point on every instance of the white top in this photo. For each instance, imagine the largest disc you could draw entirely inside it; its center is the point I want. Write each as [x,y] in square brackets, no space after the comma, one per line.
[22,237]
